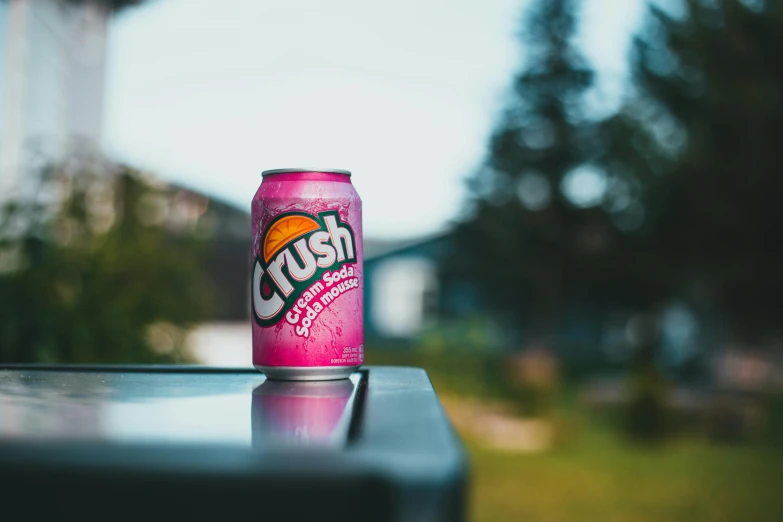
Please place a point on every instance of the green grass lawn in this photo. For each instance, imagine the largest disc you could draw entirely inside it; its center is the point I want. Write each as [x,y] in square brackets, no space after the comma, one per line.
[602,478]
[594,473]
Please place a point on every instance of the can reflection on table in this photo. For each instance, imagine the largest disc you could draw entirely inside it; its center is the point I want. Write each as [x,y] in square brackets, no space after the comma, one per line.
[308,413]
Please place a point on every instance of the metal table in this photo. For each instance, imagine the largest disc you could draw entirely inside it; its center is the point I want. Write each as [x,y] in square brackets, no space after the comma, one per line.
[196,443]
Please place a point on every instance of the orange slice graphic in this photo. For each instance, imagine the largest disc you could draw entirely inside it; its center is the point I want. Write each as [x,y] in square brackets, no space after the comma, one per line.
[284,231]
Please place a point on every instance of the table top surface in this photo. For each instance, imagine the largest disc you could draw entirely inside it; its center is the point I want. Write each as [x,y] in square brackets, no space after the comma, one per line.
[182,405]
[378,442]
[382,415]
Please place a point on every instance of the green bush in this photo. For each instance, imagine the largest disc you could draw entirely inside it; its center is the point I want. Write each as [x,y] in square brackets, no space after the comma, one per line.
[94,274]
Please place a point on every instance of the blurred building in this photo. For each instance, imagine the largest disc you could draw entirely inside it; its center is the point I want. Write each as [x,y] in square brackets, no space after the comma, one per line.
[225,228]
[52,75]
[408,302]
[401,286]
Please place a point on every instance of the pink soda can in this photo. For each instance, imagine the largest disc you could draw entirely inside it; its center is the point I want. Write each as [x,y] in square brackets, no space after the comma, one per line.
[307,295]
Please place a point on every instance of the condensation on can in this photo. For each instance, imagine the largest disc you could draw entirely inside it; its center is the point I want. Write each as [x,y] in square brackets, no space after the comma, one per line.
[307,291]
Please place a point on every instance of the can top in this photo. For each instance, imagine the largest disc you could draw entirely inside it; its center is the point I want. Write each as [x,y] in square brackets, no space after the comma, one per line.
[288,171]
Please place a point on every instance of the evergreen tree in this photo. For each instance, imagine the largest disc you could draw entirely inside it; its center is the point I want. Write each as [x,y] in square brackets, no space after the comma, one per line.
[703,130]
[528,244]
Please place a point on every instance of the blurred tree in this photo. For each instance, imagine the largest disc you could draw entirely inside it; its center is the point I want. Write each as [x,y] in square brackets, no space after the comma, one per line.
[90,274]
[538,234]
[704,124]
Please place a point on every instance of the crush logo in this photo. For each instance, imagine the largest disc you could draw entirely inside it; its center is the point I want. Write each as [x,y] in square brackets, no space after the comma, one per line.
[302,266]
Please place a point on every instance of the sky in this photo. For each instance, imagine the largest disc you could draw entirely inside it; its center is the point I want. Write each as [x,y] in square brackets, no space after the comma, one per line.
[208,93]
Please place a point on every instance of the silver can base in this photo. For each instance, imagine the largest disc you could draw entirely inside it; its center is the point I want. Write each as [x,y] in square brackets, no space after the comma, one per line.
[313,373]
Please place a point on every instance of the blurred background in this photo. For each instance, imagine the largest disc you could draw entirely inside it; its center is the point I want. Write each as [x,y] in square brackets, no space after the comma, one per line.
[572,217]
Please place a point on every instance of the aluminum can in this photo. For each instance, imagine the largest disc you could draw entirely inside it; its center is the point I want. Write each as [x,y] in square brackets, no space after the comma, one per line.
[307,292]
[315,414]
